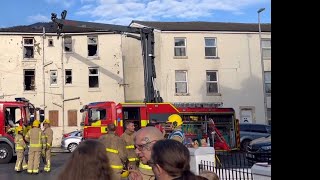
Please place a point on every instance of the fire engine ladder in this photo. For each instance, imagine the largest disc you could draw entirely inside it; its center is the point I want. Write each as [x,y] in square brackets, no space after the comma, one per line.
[218,134]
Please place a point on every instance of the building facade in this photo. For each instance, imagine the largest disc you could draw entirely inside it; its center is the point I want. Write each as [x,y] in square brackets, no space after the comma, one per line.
[196,63]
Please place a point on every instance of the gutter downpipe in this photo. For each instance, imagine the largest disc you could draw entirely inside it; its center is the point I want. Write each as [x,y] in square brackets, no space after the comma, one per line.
[43,73]
[62,81]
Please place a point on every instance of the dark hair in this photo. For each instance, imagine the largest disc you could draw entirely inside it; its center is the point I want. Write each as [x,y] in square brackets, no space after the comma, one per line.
[111,127]
[127,123]
[88,161]
[173,157]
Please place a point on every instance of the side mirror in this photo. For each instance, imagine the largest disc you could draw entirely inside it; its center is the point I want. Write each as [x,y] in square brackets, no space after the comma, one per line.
[81,110]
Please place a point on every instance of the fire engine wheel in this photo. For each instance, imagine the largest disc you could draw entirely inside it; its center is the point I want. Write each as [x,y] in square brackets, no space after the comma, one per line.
[5,153]
[72,147]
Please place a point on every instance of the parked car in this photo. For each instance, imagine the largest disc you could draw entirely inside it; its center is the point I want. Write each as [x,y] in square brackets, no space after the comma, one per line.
[259,150]
[70,141]
[249,132]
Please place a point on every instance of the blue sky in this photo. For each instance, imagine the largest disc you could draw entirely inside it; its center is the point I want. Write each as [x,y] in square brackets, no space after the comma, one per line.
[25,12]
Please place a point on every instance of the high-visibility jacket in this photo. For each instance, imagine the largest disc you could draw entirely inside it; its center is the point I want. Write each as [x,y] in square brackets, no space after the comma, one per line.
[115,149]
[128,137]
[48,133]
[19,142]
[36,138]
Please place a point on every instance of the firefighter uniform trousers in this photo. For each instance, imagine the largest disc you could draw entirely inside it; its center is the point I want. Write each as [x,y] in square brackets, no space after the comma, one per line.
[20,147]
[146,172]
[133,159]
[37,140]
[116,152]
[48,133]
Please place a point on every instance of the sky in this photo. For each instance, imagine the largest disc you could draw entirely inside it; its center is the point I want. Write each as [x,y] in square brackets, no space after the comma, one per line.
[122,12]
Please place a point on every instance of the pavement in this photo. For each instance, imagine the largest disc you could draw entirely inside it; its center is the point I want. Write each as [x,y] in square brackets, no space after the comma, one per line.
[58,150]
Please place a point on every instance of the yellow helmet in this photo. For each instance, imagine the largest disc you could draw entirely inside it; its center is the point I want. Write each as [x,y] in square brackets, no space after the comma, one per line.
[36,123]
[19,128]
[125,173]
[175,119]
[46,121]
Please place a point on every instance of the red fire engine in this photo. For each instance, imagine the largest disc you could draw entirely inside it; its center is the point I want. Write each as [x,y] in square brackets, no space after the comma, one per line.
[12,113]
[97,115]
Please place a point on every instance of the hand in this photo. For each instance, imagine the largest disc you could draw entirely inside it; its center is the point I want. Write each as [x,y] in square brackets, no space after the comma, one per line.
[135,175]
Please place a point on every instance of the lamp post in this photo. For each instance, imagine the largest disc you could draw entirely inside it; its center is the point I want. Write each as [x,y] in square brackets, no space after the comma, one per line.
[262,68]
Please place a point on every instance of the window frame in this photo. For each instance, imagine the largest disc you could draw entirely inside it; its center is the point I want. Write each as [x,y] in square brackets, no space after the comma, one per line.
[215,47]
[24,80]
[186,81]
[28,45]
[64,43]
[217,82]
[88,43]
[185,46]
[90,75]
[51,77]
[66,76]
[265,48]
[267,82]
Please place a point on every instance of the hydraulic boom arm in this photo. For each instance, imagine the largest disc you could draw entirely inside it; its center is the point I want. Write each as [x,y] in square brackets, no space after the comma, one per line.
[145,35]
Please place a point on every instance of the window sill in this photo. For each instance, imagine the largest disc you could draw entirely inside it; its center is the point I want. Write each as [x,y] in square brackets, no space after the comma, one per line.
[211,57]
[68,85]
[182,94]
[180,57]
[29,92]
[93,58]
[54,86]
[29,60]
[213,94]
[94,89]
[68,52]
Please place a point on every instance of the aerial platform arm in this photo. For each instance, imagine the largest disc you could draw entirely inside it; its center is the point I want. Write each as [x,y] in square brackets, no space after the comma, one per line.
[145,35]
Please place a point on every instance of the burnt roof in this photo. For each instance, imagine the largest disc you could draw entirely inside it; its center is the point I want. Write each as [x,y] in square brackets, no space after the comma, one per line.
[205,26]
[50,27]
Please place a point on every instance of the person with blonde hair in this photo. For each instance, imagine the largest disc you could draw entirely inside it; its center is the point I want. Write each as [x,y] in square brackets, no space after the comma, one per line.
[88,161]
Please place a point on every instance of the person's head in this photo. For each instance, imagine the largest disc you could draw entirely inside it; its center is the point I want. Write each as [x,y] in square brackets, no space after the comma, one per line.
[88,161]
[209,175]
[170,159]
[130,126]
[174,120]
[46,123]
[111,127]
[36,123]
[144,140]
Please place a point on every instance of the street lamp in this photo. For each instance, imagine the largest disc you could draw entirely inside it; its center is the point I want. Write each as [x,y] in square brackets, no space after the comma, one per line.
[262,67]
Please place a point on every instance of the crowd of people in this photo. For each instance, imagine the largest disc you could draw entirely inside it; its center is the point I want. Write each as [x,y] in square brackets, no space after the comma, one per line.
[142,155]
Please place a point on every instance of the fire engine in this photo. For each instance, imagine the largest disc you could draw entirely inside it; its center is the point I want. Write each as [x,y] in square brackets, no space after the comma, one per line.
[97,115]
[12,114]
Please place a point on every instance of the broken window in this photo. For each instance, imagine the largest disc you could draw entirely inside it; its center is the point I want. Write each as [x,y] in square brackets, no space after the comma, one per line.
[67,44]
[50,42]
[29,80]
[28,47]
[93,77]
[53,77]
[92,46]
[68,76]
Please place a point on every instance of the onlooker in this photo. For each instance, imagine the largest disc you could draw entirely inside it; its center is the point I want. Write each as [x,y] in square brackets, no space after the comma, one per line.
[128,137]
[170,159]
[144,140]
[115,150]
[88,161]
[209,175]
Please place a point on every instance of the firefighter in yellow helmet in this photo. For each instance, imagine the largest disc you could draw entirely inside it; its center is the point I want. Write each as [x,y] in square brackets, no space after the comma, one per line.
[176,122]
[37,142]
[48,133]
[20,147]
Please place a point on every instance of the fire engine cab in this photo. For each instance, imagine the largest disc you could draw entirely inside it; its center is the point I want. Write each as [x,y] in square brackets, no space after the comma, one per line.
[13,114]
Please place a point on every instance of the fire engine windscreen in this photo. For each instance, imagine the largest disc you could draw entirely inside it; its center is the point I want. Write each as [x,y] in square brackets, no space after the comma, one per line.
[96,114]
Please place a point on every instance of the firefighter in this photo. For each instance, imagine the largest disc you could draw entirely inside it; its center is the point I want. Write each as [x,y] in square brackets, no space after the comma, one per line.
[37,142]
[48,133]
[128,137]
[175,122]
[20,147]
[116,151]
